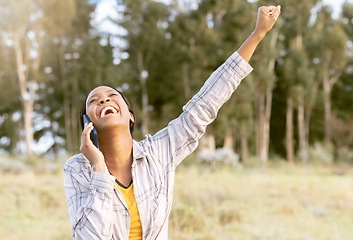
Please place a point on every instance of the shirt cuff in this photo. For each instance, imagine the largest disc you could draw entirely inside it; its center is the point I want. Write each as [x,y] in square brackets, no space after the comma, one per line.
[102,182]
[240,67]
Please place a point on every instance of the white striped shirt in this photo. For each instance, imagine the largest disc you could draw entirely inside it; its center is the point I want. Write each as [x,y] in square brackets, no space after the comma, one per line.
[96,207]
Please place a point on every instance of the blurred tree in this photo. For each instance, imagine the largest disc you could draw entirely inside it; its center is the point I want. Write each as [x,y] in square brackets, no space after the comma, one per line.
[203,39]
[264,61]
[10,102]
[164,55]
[59,26]
[46,37]
[346,18]
[77,63]
[342,97]
[141,19]
[195,55]
[20,19]
[329,52]
[235,120]
[298,75]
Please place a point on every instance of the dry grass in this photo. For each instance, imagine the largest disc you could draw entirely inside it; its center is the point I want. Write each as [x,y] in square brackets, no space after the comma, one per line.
[280,203]
[33,207]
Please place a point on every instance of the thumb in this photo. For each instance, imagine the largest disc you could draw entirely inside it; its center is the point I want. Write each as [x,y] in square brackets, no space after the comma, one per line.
[277,12]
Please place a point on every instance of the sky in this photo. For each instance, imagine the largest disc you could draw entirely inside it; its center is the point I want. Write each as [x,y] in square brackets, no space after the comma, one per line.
[336,5]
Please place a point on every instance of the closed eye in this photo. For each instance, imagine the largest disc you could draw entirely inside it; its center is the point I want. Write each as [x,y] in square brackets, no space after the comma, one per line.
[91,101]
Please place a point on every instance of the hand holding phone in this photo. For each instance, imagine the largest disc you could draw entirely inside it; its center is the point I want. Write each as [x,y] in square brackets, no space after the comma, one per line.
[93,134]
[89,146]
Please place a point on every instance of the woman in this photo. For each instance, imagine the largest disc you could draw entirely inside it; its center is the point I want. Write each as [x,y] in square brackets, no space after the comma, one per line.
[124,188]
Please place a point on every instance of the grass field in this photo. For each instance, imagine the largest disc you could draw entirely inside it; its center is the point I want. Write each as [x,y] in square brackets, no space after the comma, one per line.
[278,203]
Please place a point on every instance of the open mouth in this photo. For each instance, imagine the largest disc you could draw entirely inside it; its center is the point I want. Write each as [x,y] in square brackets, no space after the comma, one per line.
[107,111]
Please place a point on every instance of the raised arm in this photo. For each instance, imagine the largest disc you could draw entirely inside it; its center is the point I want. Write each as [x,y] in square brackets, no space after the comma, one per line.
[182,134]
[266,18]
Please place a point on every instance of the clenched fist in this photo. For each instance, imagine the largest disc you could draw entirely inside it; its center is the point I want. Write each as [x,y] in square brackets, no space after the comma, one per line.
[266,18]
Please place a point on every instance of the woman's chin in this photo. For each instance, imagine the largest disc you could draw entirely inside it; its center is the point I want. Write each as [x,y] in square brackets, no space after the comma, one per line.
[112,125]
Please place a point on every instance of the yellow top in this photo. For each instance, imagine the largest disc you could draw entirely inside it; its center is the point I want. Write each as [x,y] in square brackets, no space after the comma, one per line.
[135,223]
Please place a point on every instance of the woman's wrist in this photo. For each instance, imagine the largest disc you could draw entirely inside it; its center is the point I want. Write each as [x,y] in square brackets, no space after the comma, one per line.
[257,35]
[98,166]
[247,49]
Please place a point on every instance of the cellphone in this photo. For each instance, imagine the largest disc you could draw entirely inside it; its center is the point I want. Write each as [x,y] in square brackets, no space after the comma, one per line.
[93,134]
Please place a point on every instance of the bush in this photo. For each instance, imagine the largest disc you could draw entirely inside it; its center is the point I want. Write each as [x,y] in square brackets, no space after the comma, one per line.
[219,158]
[344,154]
[9,165]
[321,153]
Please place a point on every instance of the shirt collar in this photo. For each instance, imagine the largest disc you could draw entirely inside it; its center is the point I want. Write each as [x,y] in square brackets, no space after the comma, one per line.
[137,150]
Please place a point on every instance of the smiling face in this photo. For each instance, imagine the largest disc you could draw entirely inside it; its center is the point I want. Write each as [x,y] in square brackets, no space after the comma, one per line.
[107,109]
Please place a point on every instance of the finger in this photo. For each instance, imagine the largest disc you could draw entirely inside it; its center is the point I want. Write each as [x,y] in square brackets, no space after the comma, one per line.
[271,9]
[87,126]
[274,10]
[89,129]
[86,131]
[279,8]
[90,123]
[263,9]
[277,12]
[267,10]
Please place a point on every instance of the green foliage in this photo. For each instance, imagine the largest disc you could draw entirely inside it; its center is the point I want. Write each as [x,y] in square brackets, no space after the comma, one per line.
[178,47]
[342,94]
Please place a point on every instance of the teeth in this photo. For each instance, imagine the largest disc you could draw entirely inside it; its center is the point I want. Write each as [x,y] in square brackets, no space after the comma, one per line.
[106,109]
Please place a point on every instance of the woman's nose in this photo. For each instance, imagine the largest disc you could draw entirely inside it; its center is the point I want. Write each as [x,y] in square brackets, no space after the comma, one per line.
[104,100]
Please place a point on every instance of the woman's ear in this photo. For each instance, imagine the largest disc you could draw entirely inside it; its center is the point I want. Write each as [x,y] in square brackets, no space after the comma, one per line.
[132,119]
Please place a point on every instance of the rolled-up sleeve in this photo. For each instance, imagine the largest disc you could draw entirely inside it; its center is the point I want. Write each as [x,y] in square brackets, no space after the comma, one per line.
[89,199]
[184,132]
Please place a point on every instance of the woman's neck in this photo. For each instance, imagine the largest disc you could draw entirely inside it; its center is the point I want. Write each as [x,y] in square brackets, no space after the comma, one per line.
[116,147]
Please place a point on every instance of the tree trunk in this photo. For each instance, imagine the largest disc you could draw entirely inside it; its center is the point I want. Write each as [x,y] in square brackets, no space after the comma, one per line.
[229,140]
[328,83]
[65,87]
[260,119]
[289,130]
[268,104]
[327,109]
[327,100]
[27,97]
[207,142]
[143,78]
[303,153]
[244,148]
[327,117]
[186,81]
[74,111]
[266,127]
[21,138]
[28,114]
[308,112]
